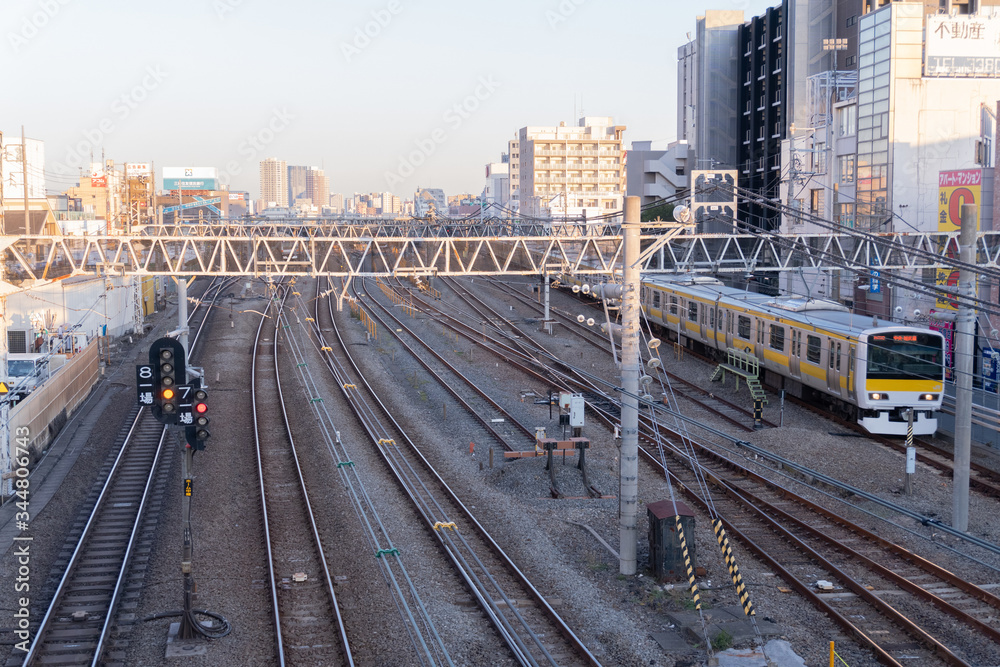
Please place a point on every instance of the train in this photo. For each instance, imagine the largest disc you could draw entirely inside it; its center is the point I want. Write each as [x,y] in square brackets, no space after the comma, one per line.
[859,367]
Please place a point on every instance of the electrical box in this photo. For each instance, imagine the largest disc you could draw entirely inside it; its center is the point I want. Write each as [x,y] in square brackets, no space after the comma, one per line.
[576,409]
[564,399]
[666,555]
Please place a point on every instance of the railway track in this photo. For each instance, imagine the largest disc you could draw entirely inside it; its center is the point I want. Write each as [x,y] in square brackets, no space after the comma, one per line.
[309,628]
[982,478]
[525,620]
[80,617]
[814,543]
[701,401]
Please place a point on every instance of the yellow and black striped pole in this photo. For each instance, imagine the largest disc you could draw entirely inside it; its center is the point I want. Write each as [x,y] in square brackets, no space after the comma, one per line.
[687,563]
[734,569]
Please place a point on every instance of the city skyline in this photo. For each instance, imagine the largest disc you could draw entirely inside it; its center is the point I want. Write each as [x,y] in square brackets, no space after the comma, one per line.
[198,88]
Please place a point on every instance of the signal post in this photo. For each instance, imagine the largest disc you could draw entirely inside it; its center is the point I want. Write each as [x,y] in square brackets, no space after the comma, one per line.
[162,386]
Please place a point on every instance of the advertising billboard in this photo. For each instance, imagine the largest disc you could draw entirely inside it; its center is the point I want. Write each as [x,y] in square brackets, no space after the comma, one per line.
[137,168]
[955,188]
[207,184]
[962,45]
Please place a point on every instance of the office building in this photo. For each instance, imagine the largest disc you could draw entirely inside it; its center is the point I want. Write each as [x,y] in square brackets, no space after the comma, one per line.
[297,177]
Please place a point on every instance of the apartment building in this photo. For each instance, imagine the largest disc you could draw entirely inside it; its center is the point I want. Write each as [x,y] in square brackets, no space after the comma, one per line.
[570,172]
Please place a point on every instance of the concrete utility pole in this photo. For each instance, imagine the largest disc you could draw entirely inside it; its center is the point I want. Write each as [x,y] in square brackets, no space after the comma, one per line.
[24,167]
[182,311]
[964,351]
[629,465]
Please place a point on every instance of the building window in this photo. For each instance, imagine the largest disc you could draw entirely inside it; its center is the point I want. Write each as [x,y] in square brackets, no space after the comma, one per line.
[743,327]
[847,168]
[847,120]
[851,20]
[851,61]
[814,348]
[816,202]
[819,158]
[778,337]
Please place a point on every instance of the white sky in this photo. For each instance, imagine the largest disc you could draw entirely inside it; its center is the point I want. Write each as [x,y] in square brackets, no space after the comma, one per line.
[226,83]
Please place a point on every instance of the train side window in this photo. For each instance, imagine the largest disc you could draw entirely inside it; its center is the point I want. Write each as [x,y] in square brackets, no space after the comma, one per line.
[711,317]
[693,311]
[656,300]
[814,349]
[760,332]
[831,352]
[778,337]
[743,326]
[673,305]
[838,356]
[642,294]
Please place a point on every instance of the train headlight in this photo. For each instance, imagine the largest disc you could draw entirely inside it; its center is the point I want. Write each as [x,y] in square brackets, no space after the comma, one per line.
[878,396]
[928,397]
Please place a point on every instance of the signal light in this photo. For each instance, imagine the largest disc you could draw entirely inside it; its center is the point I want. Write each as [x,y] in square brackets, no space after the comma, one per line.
[166,356]
[197,433]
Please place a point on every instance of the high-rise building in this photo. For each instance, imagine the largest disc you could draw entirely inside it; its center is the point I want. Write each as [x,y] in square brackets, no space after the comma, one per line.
[571,172]
[273,183]
[317,186]
[337,202]
[297,183]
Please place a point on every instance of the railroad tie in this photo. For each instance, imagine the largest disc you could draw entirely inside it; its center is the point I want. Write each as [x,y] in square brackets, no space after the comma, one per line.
[734,569]
[687,563]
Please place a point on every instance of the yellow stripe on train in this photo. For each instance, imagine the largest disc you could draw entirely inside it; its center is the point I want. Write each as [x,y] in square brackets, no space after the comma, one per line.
[903,385]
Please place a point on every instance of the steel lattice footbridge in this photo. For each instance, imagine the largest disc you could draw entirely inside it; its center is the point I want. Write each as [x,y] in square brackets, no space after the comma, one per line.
[348,248]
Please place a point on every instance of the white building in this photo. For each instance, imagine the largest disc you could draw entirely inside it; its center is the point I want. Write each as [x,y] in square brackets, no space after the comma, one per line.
[428,199]
[657,174]
[570,172]
[497,188]
[273,183]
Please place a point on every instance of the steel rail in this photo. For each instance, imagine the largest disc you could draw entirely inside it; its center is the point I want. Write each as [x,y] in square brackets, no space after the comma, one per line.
[39,644]
[489,607]
[861,591]
[314,530]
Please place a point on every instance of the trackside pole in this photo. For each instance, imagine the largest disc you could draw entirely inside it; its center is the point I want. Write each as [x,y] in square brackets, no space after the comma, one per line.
[964,323]
[629,466]
[182,311]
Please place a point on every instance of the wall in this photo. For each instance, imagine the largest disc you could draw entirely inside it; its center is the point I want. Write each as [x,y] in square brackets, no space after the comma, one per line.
[83,301]
[45,411]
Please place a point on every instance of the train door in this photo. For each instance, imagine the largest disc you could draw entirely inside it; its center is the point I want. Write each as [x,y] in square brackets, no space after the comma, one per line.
[758,349]
[851,360]
[703,320]
[793,354]
[728,330]
[833,366]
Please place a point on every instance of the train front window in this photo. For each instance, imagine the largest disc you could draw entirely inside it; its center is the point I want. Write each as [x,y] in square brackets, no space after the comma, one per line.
[905,356]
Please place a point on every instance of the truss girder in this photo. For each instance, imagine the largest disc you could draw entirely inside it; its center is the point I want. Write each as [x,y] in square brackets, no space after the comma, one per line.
[274,254]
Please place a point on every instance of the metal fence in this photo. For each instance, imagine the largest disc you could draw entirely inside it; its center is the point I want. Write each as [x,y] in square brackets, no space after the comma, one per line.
[46,409]
[985,416]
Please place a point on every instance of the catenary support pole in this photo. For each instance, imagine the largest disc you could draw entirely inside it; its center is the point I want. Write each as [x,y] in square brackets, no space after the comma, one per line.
[964,322]
[629,466]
